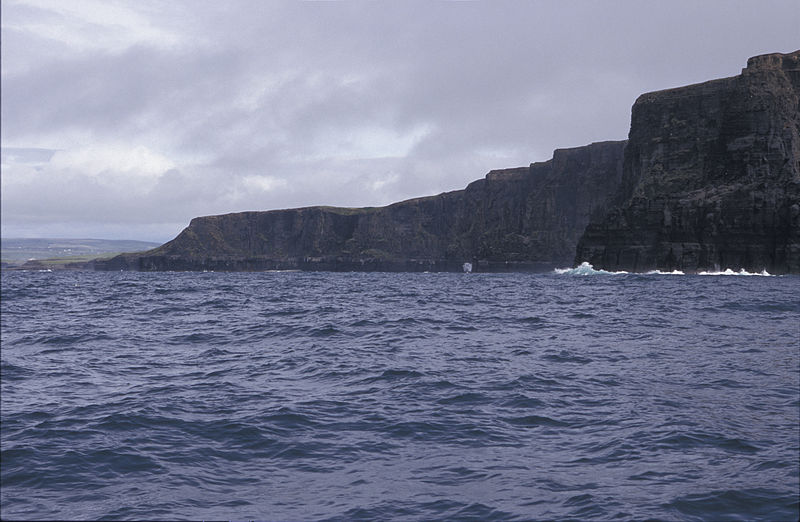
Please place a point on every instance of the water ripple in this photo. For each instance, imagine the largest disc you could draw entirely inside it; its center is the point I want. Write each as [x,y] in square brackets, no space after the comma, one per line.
[310,396]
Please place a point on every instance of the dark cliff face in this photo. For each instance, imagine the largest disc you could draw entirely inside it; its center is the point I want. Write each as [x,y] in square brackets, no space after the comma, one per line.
[525,218]
[711,177]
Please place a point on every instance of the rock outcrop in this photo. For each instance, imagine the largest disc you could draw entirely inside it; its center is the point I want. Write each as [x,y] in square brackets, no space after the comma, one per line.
[711,177]
[527,218]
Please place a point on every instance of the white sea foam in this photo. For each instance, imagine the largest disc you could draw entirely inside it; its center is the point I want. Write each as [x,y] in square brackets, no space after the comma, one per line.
[585,269]
[742,272]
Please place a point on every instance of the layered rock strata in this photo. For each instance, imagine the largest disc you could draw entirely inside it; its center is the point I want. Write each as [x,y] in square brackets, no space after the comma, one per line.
[711,177]
[527,218]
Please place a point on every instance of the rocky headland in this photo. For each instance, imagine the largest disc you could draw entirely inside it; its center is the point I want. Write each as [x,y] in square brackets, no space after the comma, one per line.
[709,177]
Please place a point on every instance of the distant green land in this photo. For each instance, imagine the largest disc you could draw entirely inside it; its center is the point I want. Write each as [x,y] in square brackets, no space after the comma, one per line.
[15,251]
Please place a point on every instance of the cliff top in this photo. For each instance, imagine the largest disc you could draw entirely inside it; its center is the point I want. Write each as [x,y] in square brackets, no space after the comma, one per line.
[774,61]
[789,62]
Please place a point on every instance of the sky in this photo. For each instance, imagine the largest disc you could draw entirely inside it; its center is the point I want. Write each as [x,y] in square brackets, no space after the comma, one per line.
[126,119]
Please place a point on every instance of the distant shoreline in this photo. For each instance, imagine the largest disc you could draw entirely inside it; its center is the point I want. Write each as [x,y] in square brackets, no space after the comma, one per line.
[58,251]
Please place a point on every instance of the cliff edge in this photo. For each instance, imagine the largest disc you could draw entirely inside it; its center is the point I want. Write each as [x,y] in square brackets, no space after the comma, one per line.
[711,177]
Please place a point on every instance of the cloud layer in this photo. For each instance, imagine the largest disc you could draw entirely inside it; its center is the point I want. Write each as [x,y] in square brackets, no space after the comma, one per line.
[126,119]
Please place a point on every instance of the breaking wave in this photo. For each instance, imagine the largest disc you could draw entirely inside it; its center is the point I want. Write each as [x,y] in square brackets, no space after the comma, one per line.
[586,269]
[742,272]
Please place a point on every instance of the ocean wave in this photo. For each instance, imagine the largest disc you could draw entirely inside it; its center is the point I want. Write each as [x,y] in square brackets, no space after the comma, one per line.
[585,269]
[742,272]
[330,396]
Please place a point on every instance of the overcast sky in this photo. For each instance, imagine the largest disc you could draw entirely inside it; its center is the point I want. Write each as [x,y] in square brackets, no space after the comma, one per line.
[125,119]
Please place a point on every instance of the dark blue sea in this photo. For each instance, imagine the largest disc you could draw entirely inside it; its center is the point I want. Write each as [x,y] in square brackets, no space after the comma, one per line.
[384,396]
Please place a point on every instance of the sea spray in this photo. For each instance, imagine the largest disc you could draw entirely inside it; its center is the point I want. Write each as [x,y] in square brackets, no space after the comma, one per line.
[585,269]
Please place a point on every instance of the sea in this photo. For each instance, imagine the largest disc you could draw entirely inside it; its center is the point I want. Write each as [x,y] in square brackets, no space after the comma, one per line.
[572,395]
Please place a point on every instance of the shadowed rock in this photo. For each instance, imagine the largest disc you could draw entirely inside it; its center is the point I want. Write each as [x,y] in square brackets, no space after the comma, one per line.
[527,218]
[711,177]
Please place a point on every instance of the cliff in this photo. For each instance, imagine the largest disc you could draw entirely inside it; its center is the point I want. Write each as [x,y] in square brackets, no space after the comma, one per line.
[711,177]
[527,218]
[708,178]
